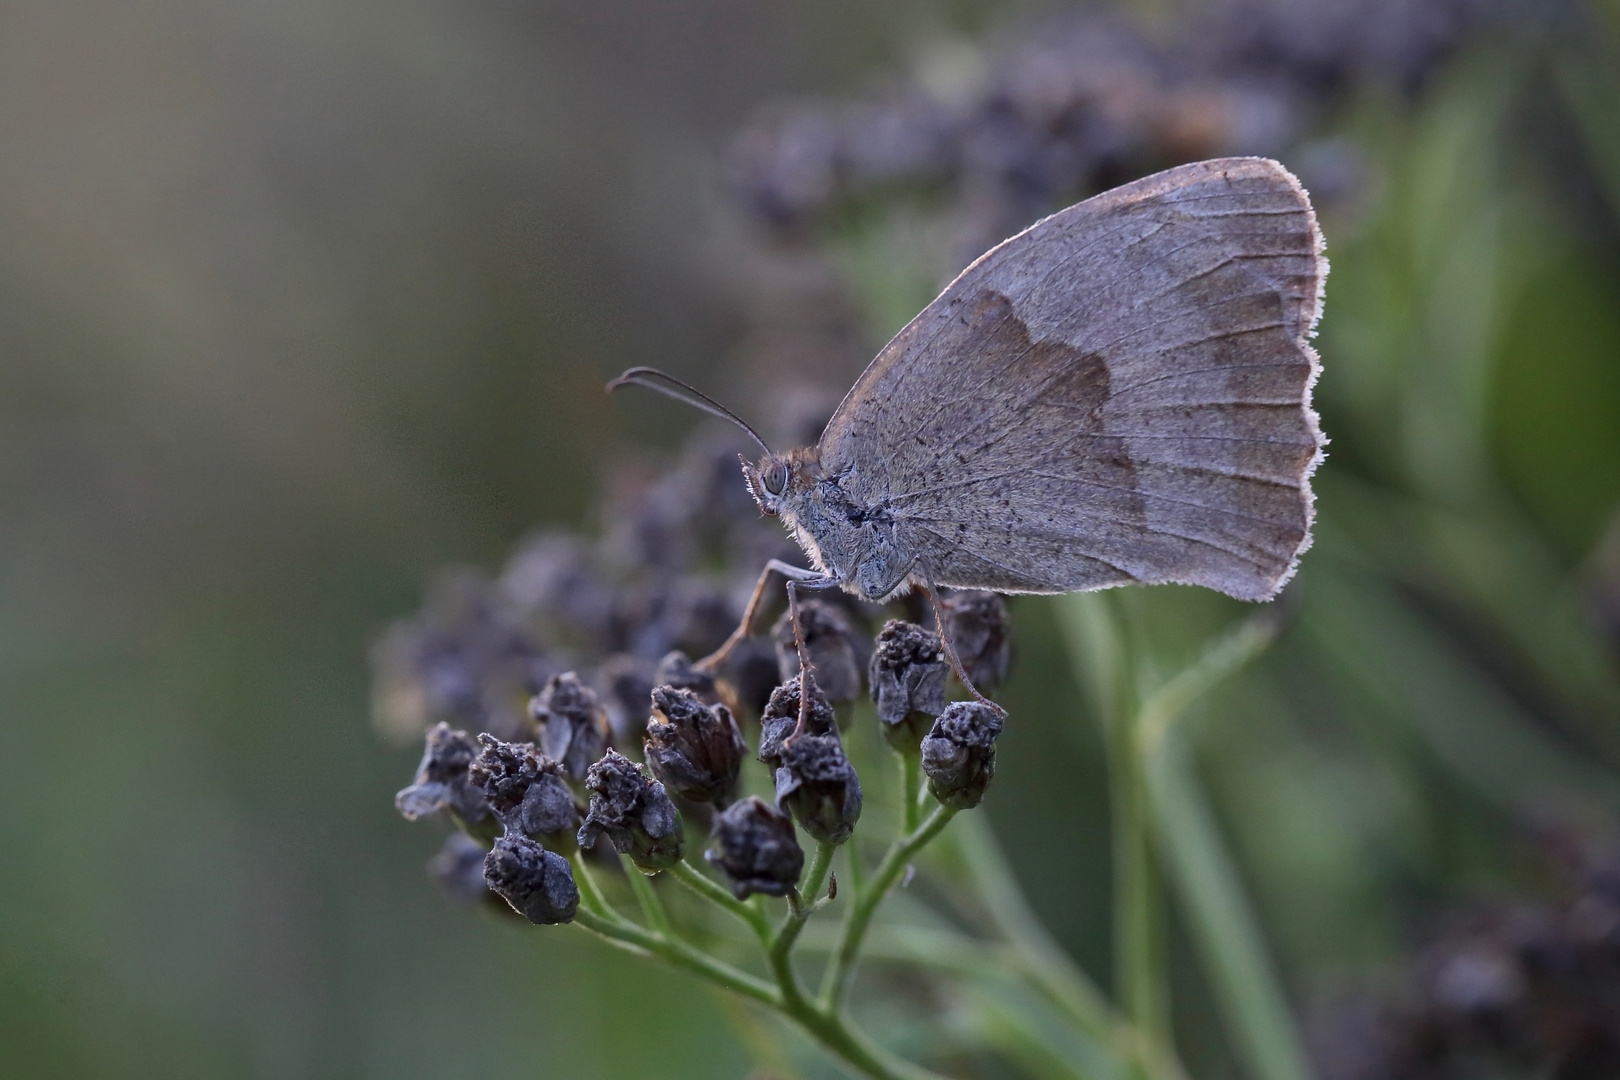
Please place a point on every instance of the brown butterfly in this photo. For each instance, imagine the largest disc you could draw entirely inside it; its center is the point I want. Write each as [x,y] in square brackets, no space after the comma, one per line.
[1118,395]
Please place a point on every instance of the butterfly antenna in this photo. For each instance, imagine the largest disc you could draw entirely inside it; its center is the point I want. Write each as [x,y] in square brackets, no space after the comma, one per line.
[670,386]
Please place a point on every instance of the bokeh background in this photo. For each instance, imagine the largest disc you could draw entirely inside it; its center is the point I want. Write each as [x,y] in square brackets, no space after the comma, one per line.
[302,302]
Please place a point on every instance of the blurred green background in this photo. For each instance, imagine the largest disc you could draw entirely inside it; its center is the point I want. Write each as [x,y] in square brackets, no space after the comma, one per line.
[299,302]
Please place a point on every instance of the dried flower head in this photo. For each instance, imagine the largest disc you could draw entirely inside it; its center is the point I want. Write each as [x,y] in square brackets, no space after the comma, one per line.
[752,673]
[676,670]
[977,623]
[442,782]
[781,716]
[907,676]
[627,682]
[536,882]
[694,748]
[817,785]
[459,867]
[574,727]
[527,792]
[755,846]
[959,754]
[633,811]
[466,658]
[829,644]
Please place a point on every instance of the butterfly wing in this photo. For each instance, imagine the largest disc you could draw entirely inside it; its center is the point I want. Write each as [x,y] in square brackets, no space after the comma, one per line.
[1118,394]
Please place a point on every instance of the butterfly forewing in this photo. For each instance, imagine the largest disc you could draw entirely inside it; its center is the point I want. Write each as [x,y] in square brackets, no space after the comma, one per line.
[1120,393]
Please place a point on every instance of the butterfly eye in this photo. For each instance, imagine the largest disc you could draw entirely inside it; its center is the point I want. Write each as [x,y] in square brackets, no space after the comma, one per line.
[775,478]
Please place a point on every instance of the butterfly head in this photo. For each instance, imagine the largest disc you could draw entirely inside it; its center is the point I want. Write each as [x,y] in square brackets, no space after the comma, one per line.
[779,481]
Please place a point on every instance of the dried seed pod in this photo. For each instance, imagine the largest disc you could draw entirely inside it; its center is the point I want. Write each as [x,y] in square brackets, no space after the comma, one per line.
[459,867]
[959,754]
[818,785]
[695,748]
[634,812]
[536,882]
[907,676]
[627,683]
[442,782]
[751,670]
[829,644]
[781,715]
[977,624]
[527,792]
[756,848]
[676,670]
[574,727]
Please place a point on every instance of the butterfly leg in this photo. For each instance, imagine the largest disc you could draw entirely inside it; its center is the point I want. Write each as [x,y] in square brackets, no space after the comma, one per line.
[712,662]
[950,650]
[794,584]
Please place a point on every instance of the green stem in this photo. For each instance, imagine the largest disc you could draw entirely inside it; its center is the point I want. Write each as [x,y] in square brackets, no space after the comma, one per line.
[835,984]
[1253,1005]
[1044,962]
[1225,930]
[590,894]
[1228,937]
[652,908]
[712,890]
[801,904]
[621,931]
[857,871]
[832,1030]
[910,791]
[1138,910]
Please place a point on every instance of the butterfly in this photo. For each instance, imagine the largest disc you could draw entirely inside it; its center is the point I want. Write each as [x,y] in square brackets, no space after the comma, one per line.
[1118,395]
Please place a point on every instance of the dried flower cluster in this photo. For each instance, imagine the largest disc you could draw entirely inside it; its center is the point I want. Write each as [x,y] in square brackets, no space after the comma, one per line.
[566,708]
[1526,989]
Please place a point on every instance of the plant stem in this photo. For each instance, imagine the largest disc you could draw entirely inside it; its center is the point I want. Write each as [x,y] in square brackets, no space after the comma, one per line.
[1253,1005]
[652,908]
[1140,969]
[829,1027]
[910,791]
[590,894]
[835,984]
[1045,963]
[712,890]
[780,947]
[620,930]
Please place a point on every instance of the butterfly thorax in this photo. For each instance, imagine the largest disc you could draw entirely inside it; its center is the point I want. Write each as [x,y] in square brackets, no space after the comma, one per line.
[843,536]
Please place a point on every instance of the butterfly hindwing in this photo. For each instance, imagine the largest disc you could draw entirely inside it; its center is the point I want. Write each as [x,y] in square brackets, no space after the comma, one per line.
[1120,393]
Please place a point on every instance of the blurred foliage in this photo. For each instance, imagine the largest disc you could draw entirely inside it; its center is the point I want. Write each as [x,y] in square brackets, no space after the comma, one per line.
[298,302]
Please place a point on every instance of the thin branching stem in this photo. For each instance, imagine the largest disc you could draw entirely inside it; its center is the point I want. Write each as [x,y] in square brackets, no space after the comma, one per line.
[835,984]
[910,789]
[652,908]
[712,890]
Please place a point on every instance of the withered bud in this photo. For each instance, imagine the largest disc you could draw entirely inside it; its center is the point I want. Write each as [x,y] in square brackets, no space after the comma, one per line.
[527,792]
[459,867]
[977,623]
[441,779]
[829,644]
[627,683]
[633,811]
[756,848]
[573,724]
[959,754]
[781,715]
[907,676]
[817,785]
[536,882]
[694,748]
[676,670]
[752,672]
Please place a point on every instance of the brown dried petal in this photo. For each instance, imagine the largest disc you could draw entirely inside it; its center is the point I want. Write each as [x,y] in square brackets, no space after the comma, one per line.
[694,748]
